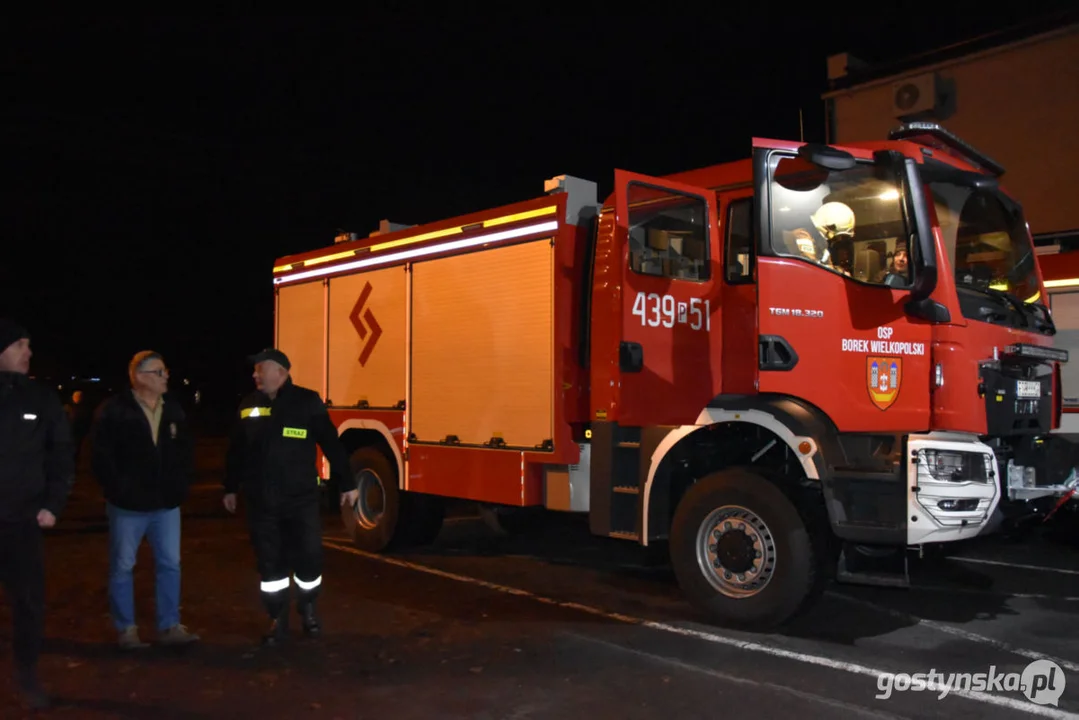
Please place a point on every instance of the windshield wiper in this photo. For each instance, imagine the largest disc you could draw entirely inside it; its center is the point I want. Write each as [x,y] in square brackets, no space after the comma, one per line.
[1007,297]
[1010,298]
[1028,311]
[1048,325]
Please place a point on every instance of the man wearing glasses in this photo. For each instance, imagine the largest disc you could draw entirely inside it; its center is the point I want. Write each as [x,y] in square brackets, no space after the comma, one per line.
[143,457]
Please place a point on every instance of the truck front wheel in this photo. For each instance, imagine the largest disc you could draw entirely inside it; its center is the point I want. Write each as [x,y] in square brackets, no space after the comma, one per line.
[741,551]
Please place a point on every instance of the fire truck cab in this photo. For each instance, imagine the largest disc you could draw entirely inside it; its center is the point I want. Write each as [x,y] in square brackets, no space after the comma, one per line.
[786,367]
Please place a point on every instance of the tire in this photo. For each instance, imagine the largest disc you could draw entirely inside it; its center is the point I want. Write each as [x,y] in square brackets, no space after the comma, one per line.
[762,518]
[373,524]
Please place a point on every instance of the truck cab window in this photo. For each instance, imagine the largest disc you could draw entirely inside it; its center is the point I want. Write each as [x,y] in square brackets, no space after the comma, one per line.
[986,240]
[988,244]
[739,240]
[850,222]
[668,234]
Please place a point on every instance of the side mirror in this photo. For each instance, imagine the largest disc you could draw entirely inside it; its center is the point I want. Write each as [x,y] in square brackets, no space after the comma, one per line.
[826,156]
[925,281]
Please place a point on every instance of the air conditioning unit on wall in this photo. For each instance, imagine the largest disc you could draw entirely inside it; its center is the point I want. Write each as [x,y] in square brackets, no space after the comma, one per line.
[915,96]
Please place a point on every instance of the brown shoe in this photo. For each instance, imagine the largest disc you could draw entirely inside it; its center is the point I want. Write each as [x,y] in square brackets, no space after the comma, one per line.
[177,635]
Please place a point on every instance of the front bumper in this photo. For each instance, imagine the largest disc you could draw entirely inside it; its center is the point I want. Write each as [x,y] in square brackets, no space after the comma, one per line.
[952,487]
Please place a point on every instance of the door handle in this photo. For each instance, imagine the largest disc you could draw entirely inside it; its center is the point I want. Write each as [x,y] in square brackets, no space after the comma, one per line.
[776,353]
[630,357]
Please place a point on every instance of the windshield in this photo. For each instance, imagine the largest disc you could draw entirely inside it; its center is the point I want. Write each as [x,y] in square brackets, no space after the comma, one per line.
[986,238]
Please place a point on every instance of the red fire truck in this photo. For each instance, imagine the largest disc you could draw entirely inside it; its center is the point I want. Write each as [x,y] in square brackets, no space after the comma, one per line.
[780,367]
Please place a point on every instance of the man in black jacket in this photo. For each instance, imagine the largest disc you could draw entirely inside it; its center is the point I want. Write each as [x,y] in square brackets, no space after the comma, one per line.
[143,457]
[37,471]
[272,457]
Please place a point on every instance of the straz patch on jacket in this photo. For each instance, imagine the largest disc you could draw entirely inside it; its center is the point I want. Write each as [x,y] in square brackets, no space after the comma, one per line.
[300,433]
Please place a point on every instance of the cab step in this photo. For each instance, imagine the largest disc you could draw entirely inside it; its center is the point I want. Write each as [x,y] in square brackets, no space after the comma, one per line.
[618,472]
[886,570]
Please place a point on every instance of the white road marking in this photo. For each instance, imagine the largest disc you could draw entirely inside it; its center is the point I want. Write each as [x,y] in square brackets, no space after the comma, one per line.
[957,632]
[832,702]
[853,668]
[972,591]
[1041,568]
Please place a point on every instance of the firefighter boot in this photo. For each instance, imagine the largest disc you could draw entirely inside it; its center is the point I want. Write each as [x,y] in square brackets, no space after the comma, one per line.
[278,632]
[311,625]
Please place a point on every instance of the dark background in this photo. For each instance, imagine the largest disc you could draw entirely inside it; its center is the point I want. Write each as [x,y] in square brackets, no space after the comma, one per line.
[157,167]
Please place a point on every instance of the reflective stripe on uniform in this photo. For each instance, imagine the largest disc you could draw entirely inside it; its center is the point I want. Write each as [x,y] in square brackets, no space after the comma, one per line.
[254,412]
[304,585]
[272,586]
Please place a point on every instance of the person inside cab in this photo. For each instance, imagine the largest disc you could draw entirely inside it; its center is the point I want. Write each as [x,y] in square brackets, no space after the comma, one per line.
[898,270]
[835,223]
[807,247]
[841,254]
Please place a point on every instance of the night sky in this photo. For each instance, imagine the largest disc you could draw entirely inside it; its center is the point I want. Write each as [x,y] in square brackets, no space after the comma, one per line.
[158,167]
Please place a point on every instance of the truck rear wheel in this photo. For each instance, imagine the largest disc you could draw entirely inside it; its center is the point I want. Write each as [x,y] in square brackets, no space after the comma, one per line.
[385,517]
[373,521]
[741,551]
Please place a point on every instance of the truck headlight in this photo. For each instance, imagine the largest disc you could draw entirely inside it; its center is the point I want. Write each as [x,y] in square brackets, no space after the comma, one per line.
[957,466]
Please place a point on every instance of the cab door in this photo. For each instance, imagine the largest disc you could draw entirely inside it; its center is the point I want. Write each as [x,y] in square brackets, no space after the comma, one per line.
[671,344]
[739,292]
[831,331]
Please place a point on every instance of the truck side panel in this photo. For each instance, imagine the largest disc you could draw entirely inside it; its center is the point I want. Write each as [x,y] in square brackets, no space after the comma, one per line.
[481,474]
[367,339]
[483,347]
[466,367]
[301,333]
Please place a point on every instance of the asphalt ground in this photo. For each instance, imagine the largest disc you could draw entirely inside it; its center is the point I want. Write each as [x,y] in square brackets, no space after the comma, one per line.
[552,624]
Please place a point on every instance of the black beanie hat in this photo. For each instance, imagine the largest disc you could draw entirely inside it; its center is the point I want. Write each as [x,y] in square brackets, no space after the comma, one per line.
[10,333]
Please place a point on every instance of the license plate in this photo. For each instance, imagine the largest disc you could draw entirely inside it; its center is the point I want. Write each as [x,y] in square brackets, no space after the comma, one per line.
[1028,388]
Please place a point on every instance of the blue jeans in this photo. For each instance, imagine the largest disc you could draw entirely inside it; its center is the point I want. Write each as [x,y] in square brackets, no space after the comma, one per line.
[126,531]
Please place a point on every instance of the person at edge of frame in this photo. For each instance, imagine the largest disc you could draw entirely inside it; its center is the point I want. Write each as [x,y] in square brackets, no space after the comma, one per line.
[37,472]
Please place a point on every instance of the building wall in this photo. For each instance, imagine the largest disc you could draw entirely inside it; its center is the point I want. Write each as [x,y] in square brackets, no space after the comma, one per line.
[1018,104]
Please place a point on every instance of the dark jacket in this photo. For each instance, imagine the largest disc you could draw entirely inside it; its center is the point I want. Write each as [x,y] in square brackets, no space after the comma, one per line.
[272,450]
[134,473]
[37,468]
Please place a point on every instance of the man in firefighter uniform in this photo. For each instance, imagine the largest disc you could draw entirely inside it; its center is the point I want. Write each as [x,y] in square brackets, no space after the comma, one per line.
[271,458]
[835,223]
